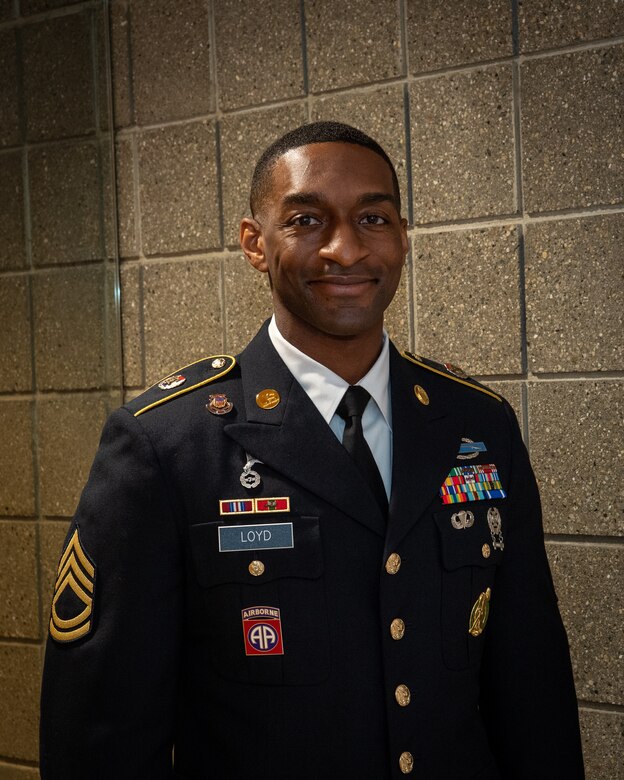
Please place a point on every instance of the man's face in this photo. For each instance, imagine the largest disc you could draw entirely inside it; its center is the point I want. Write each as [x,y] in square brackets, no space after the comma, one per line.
[330,238]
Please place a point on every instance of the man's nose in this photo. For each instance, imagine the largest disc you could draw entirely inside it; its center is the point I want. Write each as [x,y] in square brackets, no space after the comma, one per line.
[343,245]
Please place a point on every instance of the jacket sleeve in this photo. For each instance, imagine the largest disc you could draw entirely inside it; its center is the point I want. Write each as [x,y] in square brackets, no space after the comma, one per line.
[109,683]
[528,700]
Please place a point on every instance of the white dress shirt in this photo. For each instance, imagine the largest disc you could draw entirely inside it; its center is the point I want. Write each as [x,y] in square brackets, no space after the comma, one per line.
[326,390]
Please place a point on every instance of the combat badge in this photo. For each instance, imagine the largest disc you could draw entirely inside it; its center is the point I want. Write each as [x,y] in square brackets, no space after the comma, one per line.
[479,613]
[495,523]
[249,478]
[262,630]
[469,449]
[72,604]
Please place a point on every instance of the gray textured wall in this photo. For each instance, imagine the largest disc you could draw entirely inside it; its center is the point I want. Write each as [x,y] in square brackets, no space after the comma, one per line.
[505,121]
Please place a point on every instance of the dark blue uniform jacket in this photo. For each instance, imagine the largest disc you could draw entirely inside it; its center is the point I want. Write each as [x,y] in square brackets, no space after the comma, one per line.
[148,651]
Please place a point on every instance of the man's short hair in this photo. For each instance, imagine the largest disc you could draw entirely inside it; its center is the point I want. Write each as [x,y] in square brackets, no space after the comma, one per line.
[313,133]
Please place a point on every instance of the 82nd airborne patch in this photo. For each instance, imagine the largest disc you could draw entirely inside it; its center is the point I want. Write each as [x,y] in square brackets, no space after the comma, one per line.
[262,629]
[72,603]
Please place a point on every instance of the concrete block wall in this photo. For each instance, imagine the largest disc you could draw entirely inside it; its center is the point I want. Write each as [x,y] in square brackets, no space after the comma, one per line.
[505,122]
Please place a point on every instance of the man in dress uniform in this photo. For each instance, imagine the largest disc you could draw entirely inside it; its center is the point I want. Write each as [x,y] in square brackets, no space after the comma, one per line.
[322,558]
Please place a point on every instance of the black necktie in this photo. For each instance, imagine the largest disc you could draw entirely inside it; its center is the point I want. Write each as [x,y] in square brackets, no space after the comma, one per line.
[351,409]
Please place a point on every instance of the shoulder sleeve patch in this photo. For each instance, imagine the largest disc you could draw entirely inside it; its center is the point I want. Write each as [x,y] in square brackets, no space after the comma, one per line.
[449,371]
[182,381]
[74,590]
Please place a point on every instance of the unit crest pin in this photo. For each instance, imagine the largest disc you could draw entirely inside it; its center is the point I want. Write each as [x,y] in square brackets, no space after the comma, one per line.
[219,404]
[175,380]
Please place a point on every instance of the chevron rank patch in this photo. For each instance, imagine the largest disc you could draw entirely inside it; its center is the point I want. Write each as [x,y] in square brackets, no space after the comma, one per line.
[72,603]
[471,483]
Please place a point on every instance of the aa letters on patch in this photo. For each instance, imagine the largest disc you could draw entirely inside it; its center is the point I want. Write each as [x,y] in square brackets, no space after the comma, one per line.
[270,536]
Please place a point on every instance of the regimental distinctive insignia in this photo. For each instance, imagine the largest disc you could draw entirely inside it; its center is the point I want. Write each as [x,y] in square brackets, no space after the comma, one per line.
[219,404]
[469,449]
[262,631]
[495,523]
[72,603]
[471,483]
[462,519]
[244,506]
[218,363]
[479,613]
[281,504]
[456,370]
[268,399]
[175,380]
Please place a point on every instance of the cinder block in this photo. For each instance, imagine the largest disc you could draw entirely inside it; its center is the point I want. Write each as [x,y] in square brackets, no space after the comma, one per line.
[178,186]
[467,299]
[588,584]
[120,60]
[259,56]
[65,195]
[132,325]
[573,130]
[247,302]
[171,60]
[576,446]
[20,673]
[602,744]
[19,605]
[352,42]
[17,481]
[441,35]
[68,433]
[545,24]
[12,249]
[512,392]
[125,151]
[182,314]
[69,310]
[243,139]
[575,294]
[15,347]
[58,77]
[462,146]
[380,114]
[9,106]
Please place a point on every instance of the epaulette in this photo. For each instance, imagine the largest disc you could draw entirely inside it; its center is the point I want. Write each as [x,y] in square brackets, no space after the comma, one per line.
[449,371]
[182,381]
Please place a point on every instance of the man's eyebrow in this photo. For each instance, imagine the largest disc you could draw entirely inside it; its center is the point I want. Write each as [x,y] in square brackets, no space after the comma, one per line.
[316,199]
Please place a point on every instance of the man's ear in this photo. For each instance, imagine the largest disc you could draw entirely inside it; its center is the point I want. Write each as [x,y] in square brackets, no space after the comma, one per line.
[252,243]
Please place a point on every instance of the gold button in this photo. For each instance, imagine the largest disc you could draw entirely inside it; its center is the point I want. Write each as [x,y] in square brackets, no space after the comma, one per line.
[485,551]
[268,399]
[393,564]
[256,568]
[421,394]
[406,762]
[397,628]
[402,695]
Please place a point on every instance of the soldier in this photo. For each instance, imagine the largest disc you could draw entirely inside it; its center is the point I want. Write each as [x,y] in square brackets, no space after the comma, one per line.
[321,558]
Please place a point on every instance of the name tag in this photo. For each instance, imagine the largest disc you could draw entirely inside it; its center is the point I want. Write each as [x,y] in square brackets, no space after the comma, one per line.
[272,536]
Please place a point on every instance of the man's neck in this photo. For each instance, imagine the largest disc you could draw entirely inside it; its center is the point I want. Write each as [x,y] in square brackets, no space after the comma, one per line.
[350,357]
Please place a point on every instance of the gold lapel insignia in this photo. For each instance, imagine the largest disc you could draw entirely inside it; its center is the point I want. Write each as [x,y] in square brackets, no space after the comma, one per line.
[479,613]
[268,399]
[72,603]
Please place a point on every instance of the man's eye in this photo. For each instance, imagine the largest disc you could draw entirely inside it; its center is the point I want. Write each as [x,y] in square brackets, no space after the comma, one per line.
[373,219]
[304,220]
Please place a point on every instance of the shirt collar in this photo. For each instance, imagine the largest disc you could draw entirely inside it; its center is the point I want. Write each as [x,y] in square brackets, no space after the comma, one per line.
[323,386]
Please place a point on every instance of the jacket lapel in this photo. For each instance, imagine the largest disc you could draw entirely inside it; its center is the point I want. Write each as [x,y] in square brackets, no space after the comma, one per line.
[425,445]
[294,440]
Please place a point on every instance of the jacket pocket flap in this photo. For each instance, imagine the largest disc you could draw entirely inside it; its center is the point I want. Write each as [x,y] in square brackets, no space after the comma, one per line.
[466,535]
